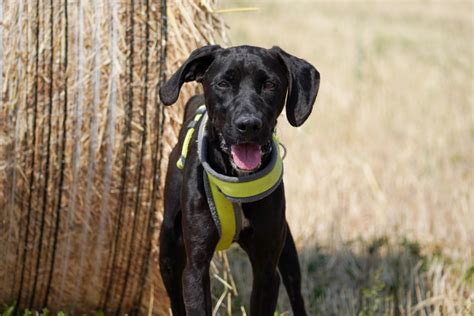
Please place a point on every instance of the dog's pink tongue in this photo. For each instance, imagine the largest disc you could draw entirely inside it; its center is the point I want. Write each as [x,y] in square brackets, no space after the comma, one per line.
[246,156]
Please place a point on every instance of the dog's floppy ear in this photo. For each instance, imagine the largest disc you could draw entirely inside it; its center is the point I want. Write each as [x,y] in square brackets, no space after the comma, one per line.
[303,86]
[192,69]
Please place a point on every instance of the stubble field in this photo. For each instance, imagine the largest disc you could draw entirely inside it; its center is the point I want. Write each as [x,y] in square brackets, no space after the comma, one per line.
[379,180]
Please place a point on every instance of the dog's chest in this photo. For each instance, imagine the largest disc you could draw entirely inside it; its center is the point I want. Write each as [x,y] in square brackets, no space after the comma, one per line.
[247,226]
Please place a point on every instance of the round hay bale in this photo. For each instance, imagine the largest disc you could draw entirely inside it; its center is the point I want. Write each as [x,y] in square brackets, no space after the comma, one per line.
[83,141]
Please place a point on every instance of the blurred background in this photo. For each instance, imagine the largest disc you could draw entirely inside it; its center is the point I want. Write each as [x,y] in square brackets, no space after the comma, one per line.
[379,180]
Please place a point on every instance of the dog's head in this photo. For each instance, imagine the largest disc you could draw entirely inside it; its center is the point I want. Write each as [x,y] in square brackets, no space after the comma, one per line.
[245,90]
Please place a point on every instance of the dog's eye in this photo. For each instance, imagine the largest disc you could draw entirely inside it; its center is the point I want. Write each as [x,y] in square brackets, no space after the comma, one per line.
[268,85]
[223,84]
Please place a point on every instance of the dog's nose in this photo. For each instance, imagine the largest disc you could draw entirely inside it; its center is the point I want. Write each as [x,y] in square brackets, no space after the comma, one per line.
[248,124]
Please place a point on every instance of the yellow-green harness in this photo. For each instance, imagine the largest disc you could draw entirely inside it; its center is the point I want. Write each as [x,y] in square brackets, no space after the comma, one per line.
[225,194]
[189,135]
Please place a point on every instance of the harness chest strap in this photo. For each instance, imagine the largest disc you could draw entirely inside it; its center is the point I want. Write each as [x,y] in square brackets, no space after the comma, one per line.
[227,215]
[225,194]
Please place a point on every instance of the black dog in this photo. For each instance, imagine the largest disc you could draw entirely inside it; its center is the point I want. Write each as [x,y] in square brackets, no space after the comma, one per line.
[245,89]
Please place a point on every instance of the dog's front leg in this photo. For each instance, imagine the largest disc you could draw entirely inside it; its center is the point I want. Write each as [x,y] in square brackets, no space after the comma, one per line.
[200,239]
[196,286]
[265,287]
[264,253]
[291,274]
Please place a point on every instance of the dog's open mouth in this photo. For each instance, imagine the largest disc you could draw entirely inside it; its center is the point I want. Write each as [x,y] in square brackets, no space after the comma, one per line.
[246,157]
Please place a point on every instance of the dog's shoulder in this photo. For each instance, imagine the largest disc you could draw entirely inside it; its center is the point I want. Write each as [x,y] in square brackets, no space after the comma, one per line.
[190,153]
[189,112]
[192,105]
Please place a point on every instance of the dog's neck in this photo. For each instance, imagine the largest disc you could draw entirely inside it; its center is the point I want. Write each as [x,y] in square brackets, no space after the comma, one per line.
[219,160]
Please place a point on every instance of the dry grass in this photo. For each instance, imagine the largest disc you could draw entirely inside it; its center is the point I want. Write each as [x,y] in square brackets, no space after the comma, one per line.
[379,180]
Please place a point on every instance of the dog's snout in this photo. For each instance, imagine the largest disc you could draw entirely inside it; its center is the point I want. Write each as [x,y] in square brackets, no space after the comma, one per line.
[248,124]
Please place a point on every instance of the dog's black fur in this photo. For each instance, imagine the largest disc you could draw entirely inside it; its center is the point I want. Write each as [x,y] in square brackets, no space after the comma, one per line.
[245,89]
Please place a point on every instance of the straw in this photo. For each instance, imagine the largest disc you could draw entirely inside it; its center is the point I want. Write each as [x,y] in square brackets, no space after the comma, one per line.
[84,142]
